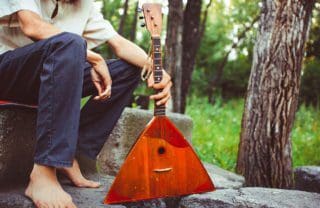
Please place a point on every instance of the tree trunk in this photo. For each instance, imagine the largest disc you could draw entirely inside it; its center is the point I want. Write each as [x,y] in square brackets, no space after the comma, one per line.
[190,42]
[265,147]
[174,50]
[134,24]
[123,17]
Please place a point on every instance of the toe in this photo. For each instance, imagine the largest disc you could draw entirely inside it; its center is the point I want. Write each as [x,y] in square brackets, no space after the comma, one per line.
[94,184]
[71,205]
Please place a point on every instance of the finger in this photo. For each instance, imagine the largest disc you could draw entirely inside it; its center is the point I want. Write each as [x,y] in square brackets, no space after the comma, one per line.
[166,78]
[164,82]
[164,100]
[99,89]
[106,93]
[150,81]
[162,94]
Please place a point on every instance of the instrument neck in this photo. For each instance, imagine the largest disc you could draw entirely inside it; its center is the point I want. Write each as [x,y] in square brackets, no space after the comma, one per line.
[157,72]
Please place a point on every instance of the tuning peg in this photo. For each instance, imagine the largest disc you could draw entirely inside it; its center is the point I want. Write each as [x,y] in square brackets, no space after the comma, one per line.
[141,17]
[143,25]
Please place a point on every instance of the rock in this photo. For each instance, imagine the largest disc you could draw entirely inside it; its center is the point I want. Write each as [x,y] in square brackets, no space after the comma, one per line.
[223,179]
[252,197]
[17,140]
[125,133]
[82,197]
[307,178]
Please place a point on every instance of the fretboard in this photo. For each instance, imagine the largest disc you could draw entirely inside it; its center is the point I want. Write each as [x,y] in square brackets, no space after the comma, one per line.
[157,72]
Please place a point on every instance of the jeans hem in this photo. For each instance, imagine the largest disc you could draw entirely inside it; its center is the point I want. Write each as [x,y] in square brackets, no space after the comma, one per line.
[51,163]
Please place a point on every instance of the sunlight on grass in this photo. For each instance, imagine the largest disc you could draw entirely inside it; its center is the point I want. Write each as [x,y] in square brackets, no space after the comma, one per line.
[217,129]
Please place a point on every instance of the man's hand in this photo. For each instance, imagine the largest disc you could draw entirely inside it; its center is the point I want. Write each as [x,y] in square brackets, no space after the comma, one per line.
[165,85]
[100,76]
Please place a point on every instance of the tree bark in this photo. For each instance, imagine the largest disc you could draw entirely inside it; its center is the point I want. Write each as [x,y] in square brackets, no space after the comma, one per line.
[265,148]
[173,50]
[190,41]
[123,17]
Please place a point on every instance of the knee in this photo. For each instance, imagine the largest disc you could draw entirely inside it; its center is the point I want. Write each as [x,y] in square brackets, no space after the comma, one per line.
[131,71]
[70,41]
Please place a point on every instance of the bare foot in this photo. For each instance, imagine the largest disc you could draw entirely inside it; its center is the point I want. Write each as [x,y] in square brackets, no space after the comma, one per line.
[75,175]
[45,191]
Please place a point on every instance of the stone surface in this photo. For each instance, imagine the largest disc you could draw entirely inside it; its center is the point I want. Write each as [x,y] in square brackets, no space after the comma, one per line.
[223,179]
[307,178]
[17,130]
[82,197]
[127,130]
[252,197]
[17,140]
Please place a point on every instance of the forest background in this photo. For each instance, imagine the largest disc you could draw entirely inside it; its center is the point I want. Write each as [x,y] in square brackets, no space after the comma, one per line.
[209,53]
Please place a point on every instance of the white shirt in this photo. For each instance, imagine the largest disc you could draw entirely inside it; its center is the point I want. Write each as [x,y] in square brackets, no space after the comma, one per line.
[82,18]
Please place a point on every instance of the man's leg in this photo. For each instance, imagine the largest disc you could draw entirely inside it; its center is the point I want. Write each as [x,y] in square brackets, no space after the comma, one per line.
[99,118]
[48,74]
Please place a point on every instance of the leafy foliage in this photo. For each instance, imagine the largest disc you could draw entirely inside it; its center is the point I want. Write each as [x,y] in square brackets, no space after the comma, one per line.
[217,129]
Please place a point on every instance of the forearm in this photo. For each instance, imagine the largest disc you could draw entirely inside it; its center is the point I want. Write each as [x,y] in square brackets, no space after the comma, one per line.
[128,51]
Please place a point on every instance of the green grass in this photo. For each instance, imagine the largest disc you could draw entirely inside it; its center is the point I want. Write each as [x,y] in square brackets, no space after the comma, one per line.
[217,129]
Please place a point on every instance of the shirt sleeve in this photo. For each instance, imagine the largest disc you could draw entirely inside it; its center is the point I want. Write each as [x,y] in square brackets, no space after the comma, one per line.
[9,7]
[97,30]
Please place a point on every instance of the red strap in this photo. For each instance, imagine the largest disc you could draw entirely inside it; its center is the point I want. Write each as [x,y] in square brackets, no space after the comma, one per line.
[3,102]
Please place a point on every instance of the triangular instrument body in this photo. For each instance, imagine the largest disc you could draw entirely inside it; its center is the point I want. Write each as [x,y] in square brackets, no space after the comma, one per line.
[160,164]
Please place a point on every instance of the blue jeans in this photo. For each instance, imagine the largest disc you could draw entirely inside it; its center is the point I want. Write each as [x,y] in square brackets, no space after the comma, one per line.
[55,75]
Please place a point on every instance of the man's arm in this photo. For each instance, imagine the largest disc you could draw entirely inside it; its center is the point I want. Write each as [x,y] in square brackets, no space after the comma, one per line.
[35,28]
[133,54]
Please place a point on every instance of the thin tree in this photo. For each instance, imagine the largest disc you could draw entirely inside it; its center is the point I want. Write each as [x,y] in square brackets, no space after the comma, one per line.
[265,148]
[190,41]
[134,23]
[123,17]
[173,52]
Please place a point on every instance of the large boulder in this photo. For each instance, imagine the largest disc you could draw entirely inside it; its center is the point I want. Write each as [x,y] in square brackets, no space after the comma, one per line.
[224,179]
[252,197]
[126,132]
[307,178]
[17,140]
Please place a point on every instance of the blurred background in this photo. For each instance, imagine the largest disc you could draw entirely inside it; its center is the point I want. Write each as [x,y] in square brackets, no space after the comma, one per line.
[209,54]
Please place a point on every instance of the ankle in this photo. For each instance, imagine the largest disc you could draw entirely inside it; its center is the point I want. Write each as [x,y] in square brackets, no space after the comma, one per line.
[41,171]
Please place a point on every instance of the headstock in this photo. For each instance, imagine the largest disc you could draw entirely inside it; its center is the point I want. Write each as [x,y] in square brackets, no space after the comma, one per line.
[153,18]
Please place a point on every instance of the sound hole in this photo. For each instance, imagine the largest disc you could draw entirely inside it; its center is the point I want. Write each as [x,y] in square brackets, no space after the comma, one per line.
[161,150]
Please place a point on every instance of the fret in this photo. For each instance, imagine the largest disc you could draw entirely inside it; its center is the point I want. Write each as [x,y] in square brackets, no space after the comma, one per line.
[158,73]
[156,42]
[157,55]
[157,62]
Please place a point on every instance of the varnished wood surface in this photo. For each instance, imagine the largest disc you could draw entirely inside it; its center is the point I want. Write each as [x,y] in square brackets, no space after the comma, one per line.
[161,164]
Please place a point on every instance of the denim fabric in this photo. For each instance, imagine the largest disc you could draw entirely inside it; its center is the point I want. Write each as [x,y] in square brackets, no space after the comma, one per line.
[55,75]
